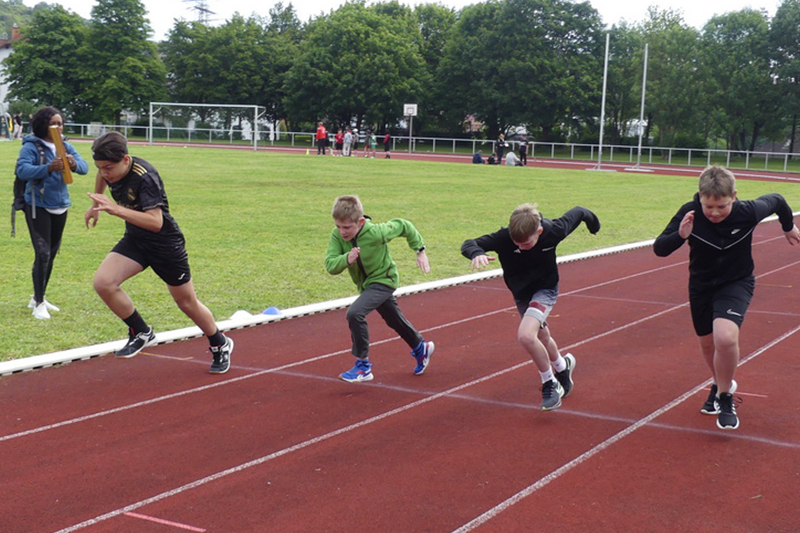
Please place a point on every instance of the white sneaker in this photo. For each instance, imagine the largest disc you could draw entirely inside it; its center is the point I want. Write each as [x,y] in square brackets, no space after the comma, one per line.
[50,307]
[40,312]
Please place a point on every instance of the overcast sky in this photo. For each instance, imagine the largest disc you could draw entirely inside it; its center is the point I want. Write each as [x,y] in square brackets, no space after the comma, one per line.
[162,13]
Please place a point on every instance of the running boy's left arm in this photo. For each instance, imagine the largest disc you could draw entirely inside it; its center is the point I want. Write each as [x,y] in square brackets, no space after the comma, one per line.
[569,221]
[399,227]
[775,203]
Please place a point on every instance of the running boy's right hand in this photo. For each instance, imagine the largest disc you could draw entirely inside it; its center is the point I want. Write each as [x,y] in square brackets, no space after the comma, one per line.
[480,261]
[352,256]
[687,224]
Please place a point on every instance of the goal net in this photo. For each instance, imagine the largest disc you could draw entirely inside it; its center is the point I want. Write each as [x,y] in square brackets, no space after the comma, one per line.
[209,123]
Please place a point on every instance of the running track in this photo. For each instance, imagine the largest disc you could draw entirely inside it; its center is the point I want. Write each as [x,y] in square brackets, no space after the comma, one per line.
[156,444]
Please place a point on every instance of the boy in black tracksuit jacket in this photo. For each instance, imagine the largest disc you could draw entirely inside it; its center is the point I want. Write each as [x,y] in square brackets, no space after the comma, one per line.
[719,229]
[527,252]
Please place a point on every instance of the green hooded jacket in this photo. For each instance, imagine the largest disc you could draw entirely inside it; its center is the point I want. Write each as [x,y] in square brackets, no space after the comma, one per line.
[375,263]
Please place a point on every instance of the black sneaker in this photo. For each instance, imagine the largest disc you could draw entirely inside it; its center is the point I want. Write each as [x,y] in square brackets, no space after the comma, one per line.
[711,407]
[565,376]
[222,357]
[136,343]
[552,391]
[727,418]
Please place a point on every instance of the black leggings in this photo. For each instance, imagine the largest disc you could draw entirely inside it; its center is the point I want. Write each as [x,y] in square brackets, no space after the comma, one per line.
[46,231]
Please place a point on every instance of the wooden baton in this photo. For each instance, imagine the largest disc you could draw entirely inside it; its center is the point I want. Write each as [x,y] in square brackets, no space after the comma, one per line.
[55,134]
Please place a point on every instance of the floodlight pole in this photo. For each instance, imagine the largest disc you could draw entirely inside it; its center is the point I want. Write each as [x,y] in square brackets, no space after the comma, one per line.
[637,167]
[603,106]
[641,113]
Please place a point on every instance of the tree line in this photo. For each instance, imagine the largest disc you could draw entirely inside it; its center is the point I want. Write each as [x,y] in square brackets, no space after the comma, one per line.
[505,64]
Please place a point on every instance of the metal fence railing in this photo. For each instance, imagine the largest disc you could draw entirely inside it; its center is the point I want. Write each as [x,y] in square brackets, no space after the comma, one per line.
[650,155]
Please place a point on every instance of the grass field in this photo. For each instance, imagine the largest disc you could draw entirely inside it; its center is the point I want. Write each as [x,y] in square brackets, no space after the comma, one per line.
[257,227]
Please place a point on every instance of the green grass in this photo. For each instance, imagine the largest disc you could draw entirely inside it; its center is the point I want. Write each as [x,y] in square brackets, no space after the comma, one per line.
[257,227]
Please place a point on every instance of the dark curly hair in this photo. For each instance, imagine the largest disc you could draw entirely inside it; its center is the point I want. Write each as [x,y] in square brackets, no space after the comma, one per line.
[40,123]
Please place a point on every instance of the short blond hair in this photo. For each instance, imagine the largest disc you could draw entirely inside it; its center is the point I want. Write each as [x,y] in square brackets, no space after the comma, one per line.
[347,208]
[717,181]
[525,220]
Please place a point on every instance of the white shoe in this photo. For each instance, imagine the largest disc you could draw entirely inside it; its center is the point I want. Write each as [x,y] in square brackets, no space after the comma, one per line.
[48,305]
[40,312]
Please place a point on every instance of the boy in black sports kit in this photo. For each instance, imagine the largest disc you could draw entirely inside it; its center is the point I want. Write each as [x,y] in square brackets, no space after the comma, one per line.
[719,229]
[152,239]
[527,252]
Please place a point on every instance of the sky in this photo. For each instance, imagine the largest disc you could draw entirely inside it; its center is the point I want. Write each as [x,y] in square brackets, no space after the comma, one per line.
[162,13]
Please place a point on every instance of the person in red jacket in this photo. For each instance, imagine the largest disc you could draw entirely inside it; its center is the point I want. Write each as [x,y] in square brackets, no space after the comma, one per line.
[322,138]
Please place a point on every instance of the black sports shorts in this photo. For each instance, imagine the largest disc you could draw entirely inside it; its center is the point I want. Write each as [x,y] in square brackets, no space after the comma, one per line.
[729,301]
[168,259]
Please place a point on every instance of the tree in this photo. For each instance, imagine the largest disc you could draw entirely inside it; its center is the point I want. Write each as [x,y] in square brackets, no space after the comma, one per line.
[785,47]
[357,63]
[122,69]
[284,33]
[675,92]
[45,67]
[524,62]
[435,23]
[736,52]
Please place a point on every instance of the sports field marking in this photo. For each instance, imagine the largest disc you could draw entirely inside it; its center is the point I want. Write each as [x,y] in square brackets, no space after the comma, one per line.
[220,383]
[165,522]
[561,411]
[161,356]
[444,394]
[334,433]
[521,495]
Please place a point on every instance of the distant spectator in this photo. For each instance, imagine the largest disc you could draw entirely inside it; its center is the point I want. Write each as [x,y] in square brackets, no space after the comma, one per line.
[322,138]
[477,158]
[348,143]
[492,160]
[512,160]
[17,133]
[387,145]
[501,147]
[523,150]
[338,142]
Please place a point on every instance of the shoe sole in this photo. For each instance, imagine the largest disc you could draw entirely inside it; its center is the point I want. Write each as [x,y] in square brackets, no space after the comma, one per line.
[212,371]
[366,377]
[729,428]
[556,406]
[426,361]
[571,370]
[128,356]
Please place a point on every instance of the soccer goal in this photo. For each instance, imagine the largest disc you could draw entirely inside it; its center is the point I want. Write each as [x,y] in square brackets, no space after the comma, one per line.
[208,123]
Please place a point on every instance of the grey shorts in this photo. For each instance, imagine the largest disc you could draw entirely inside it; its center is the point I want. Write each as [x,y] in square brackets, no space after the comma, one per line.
[539,306]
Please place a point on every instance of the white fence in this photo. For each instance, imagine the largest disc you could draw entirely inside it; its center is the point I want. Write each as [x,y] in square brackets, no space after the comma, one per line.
[755,160]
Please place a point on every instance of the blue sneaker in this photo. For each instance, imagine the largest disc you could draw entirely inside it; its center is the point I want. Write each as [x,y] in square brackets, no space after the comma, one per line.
[362,371]
[422,354]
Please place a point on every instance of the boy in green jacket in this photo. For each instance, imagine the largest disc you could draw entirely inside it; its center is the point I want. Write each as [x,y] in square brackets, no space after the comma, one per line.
[362,248]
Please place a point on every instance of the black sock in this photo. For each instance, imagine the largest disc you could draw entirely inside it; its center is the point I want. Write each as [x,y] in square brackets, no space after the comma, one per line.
[217,339]
[136,323]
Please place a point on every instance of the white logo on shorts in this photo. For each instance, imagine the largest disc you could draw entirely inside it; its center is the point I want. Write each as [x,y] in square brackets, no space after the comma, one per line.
[734,313]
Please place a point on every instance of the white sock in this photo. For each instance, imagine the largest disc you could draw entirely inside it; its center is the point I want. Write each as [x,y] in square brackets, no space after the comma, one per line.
[547,376]
[560,364]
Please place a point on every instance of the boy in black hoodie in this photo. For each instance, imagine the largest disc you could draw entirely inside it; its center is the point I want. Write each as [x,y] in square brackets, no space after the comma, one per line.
[719,228]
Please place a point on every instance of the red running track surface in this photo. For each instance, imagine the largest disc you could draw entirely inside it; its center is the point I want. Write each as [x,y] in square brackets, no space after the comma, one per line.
[156,444]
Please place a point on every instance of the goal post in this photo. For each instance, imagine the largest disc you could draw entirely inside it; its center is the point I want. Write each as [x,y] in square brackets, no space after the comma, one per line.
[192,115]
